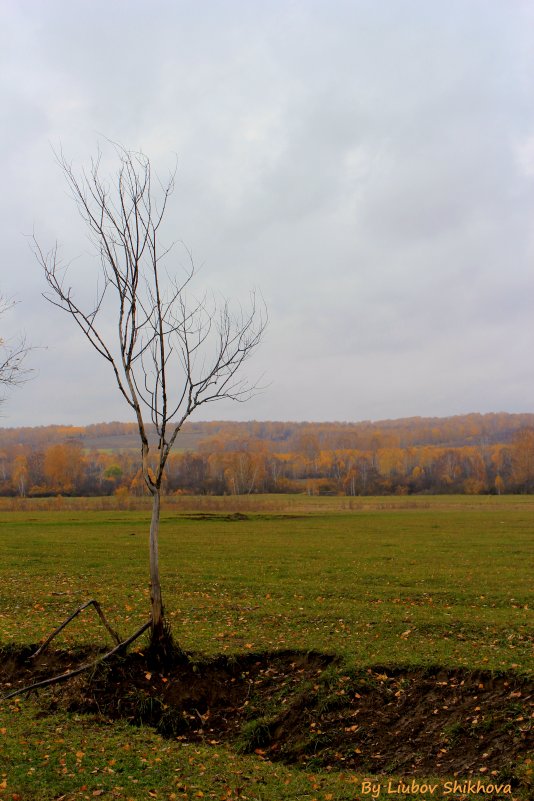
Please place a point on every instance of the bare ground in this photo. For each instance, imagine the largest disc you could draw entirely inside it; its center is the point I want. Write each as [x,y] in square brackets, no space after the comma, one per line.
[304,708]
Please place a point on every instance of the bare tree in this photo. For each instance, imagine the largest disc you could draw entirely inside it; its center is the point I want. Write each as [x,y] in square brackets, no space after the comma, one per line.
[169,354]
[12,356]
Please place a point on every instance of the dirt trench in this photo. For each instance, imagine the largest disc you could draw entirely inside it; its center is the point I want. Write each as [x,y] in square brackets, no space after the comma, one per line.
[306,709]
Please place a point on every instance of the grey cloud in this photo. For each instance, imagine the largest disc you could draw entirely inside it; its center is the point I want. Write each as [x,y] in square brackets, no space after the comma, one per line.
[366,164]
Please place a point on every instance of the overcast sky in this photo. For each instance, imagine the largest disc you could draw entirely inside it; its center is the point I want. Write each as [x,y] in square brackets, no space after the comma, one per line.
[368,165]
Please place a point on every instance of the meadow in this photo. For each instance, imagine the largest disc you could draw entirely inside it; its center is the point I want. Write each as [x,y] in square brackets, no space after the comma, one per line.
[411,583]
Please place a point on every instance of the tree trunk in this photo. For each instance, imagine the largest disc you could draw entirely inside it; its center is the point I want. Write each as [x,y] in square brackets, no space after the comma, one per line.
[155,586]
[163,651]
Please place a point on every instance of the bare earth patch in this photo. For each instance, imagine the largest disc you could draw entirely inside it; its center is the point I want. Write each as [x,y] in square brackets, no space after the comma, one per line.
[303,708]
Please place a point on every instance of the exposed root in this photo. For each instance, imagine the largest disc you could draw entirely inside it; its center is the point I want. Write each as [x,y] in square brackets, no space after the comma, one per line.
[101,615]
[163,651]
[71,673]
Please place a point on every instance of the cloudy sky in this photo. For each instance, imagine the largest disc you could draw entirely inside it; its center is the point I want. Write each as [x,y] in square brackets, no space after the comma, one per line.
[368,165]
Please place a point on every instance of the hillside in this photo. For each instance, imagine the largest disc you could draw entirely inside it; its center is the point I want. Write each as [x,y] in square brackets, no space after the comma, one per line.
[456,431]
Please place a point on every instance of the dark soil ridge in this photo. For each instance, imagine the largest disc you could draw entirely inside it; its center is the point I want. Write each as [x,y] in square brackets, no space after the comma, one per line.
[306,708]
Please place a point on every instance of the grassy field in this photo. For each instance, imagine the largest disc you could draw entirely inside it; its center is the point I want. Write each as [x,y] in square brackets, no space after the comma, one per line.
[385,581]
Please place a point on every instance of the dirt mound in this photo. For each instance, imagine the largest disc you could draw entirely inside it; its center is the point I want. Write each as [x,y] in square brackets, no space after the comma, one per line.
[305,708]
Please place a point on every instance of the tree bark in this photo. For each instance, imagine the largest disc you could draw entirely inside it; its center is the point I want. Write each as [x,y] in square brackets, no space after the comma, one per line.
[155,586]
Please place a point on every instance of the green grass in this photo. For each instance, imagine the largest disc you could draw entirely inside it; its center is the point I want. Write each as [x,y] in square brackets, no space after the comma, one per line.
[392,581]
[81,757]
[347,583]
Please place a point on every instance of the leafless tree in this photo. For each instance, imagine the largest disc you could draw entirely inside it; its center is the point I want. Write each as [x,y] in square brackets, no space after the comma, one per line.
[12,355]
[169,353]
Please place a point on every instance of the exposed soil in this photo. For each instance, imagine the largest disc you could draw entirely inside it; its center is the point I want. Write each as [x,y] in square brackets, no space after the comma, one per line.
[303,708]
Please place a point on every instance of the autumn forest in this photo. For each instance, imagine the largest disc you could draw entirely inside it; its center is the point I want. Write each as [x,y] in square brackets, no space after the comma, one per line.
[473,454]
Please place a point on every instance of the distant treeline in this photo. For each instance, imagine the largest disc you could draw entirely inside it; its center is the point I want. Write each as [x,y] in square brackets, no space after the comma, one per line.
[490,453]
